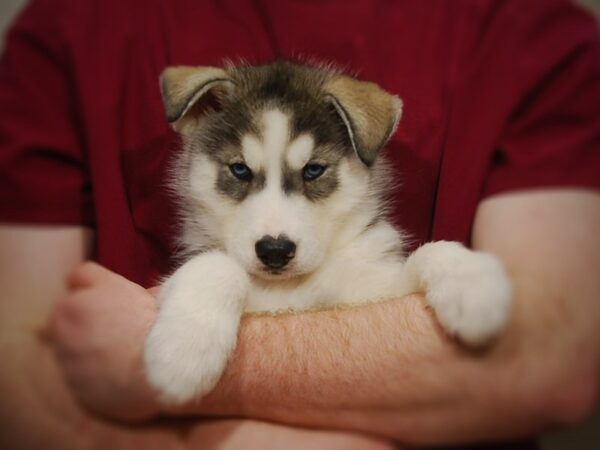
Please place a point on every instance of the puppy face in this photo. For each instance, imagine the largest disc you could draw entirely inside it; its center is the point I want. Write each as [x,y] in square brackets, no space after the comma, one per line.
[275,171]
[278,182]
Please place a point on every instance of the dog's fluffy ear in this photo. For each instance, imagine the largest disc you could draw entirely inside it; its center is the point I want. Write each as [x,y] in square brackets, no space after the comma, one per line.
[183,87]
[370,114]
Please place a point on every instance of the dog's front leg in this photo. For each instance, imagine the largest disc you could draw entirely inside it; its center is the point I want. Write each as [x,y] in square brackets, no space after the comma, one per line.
[469,290]
[196,329]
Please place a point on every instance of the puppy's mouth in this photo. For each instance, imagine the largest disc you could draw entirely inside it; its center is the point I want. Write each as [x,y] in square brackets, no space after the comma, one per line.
[277,273]
[274,274]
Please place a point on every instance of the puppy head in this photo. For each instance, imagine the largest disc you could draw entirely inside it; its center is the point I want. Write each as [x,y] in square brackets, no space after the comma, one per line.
[277,158]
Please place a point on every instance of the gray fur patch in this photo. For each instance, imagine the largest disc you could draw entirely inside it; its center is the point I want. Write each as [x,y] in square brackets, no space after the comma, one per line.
[238,190]
[328,156]
[226,183]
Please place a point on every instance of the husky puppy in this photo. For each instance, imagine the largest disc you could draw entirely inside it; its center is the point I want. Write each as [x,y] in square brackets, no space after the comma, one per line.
[283,207]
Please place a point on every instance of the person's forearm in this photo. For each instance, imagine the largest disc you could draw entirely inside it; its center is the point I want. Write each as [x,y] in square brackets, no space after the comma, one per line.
[36,409]
[383,368]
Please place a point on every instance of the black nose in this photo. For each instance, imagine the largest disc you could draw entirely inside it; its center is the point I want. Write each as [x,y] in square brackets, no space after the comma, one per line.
[275,253]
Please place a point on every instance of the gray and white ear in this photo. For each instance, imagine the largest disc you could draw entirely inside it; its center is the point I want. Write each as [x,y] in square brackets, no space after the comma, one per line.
[371,115]
[183,88]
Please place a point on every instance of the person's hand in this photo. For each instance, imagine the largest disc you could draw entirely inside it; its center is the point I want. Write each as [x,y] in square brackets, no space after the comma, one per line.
[98,332]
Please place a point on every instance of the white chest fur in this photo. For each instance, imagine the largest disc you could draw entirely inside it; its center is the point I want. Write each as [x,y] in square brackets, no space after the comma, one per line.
[367,267]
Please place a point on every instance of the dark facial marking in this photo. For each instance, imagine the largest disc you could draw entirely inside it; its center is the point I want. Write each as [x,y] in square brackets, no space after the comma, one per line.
[321,187]
[236,189]
[322,122]
[224,154]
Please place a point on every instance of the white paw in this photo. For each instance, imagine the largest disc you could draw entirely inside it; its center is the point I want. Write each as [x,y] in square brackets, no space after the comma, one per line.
[184,359]
[196,329]
[470,292]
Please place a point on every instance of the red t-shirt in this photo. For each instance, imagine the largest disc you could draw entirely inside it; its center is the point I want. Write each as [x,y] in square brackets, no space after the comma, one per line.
[499,95]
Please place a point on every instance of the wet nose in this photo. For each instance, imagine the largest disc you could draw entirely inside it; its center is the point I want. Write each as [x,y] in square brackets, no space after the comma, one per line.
[275,253]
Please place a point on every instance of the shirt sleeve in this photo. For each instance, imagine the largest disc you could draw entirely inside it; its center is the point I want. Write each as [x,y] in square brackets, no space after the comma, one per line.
[43,169]
[553,136]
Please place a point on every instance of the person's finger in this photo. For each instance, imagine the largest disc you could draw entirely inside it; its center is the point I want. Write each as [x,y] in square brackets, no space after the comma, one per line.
[69,315]
[87,274]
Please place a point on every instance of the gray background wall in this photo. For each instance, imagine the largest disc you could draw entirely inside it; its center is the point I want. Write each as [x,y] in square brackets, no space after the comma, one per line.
[8,8]
[583,437]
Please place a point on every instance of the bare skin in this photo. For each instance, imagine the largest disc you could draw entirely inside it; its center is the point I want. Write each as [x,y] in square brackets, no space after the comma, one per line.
[35,396]
[38,410]
[385,368]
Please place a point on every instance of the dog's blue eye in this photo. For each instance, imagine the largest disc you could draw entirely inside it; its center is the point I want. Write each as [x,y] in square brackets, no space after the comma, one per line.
[241,171]
[312,171]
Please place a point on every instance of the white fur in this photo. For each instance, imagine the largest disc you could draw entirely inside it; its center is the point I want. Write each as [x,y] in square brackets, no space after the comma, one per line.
[469,290]
[339,260]
[253,152]
[300,151]
[201,305]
